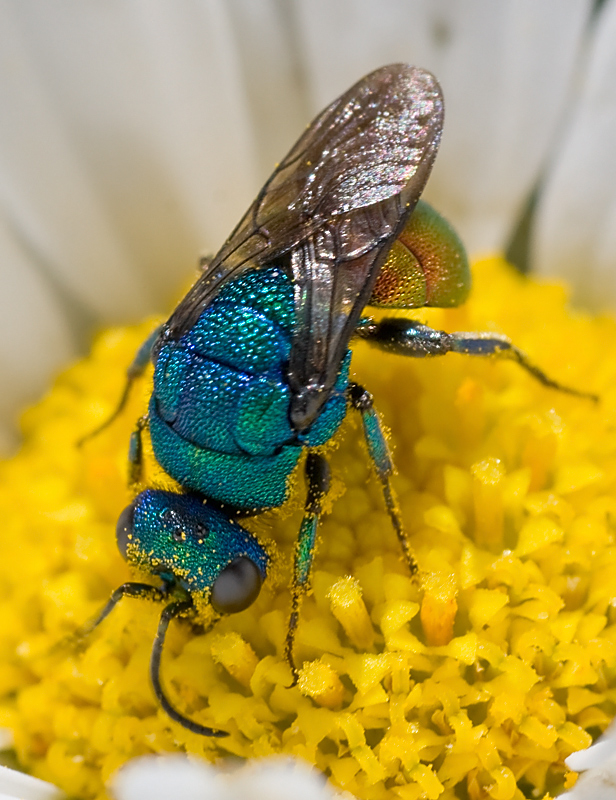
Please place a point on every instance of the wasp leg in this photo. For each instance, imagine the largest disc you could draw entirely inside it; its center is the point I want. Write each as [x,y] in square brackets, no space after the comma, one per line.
[318,479]
[135,453]
[380,456]
[410,338]
[134,371]
[170,612]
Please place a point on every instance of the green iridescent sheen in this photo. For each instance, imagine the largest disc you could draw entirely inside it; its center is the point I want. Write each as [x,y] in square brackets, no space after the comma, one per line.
[305,548]
[377,445]
[180,536]
[219,412]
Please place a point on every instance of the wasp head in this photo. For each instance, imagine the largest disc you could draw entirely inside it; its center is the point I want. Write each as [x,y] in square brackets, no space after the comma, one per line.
[190,543]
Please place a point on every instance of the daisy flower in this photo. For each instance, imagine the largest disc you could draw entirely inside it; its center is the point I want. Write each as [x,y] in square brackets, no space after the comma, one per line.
[132,138]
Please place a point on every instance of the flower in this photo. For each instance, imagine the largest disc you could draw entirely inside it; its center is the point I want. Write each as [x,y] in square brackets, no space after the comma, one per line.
[596,763]
[265,779]
[487,675]
[19,786]
[78,247]
[133,136]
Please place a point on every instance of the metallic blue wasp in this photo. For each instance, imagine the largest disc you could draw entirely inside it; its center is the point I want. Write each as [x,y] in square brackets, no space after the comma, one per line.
[251,371]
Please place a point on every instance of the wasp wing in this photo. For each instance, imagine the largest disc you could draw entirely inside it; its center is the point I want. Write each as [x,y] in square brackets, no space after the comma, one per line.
[334,204]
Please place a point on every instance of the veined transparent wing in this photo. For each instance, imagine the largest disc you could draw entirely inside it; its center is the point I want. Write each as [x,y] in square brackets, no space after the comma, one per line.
[334,205]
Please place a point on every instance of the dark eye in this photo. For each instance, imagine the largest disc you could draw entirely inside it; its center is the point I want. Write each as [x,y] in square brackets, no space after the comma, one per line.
[124,529]
[236,587]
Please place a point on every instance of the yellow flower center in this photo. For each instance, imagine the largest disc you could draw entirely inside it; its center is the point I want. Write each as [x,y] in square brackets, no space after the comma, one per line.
[480,677]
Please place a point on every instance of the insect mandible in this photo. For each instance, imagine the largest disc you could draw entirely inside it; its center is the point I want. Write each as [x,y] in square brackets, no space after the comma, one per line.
[251,371]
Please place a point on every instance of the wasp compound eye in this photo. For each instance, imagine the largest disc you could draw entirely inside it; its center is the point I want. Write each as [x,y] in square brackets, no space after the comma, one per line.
[124,529]
[237,586]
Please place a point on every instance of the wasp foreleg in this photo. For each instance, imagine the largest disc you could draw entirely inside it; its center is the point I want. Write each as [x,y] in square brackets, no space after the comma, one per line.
[135,453]
[134,372]
[318,479]
[380,456]
[410,338]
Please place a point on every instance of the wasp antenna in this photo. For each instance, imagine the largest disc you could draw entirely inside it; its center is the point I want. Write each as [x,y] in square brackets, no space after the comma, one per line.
[76,639]
[169,612]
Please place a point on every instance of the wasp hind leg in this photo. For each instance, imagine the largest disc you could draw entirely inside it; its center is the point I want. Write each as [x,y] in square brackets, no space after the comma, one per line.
[318,480]
[380,456]
[133,373]
[407,337]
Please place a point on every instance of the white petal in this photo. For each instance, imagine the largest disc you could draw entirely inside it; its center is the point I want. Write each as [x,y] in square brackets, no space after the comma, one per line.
[596,784]
[15,785]
[505,69]
[576,218]
[276,778]
[594,756]
[270,63]
[164,777]
[45,191]
[280,779]
[202,137]
[34,334]
[150,96]
[598,765]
